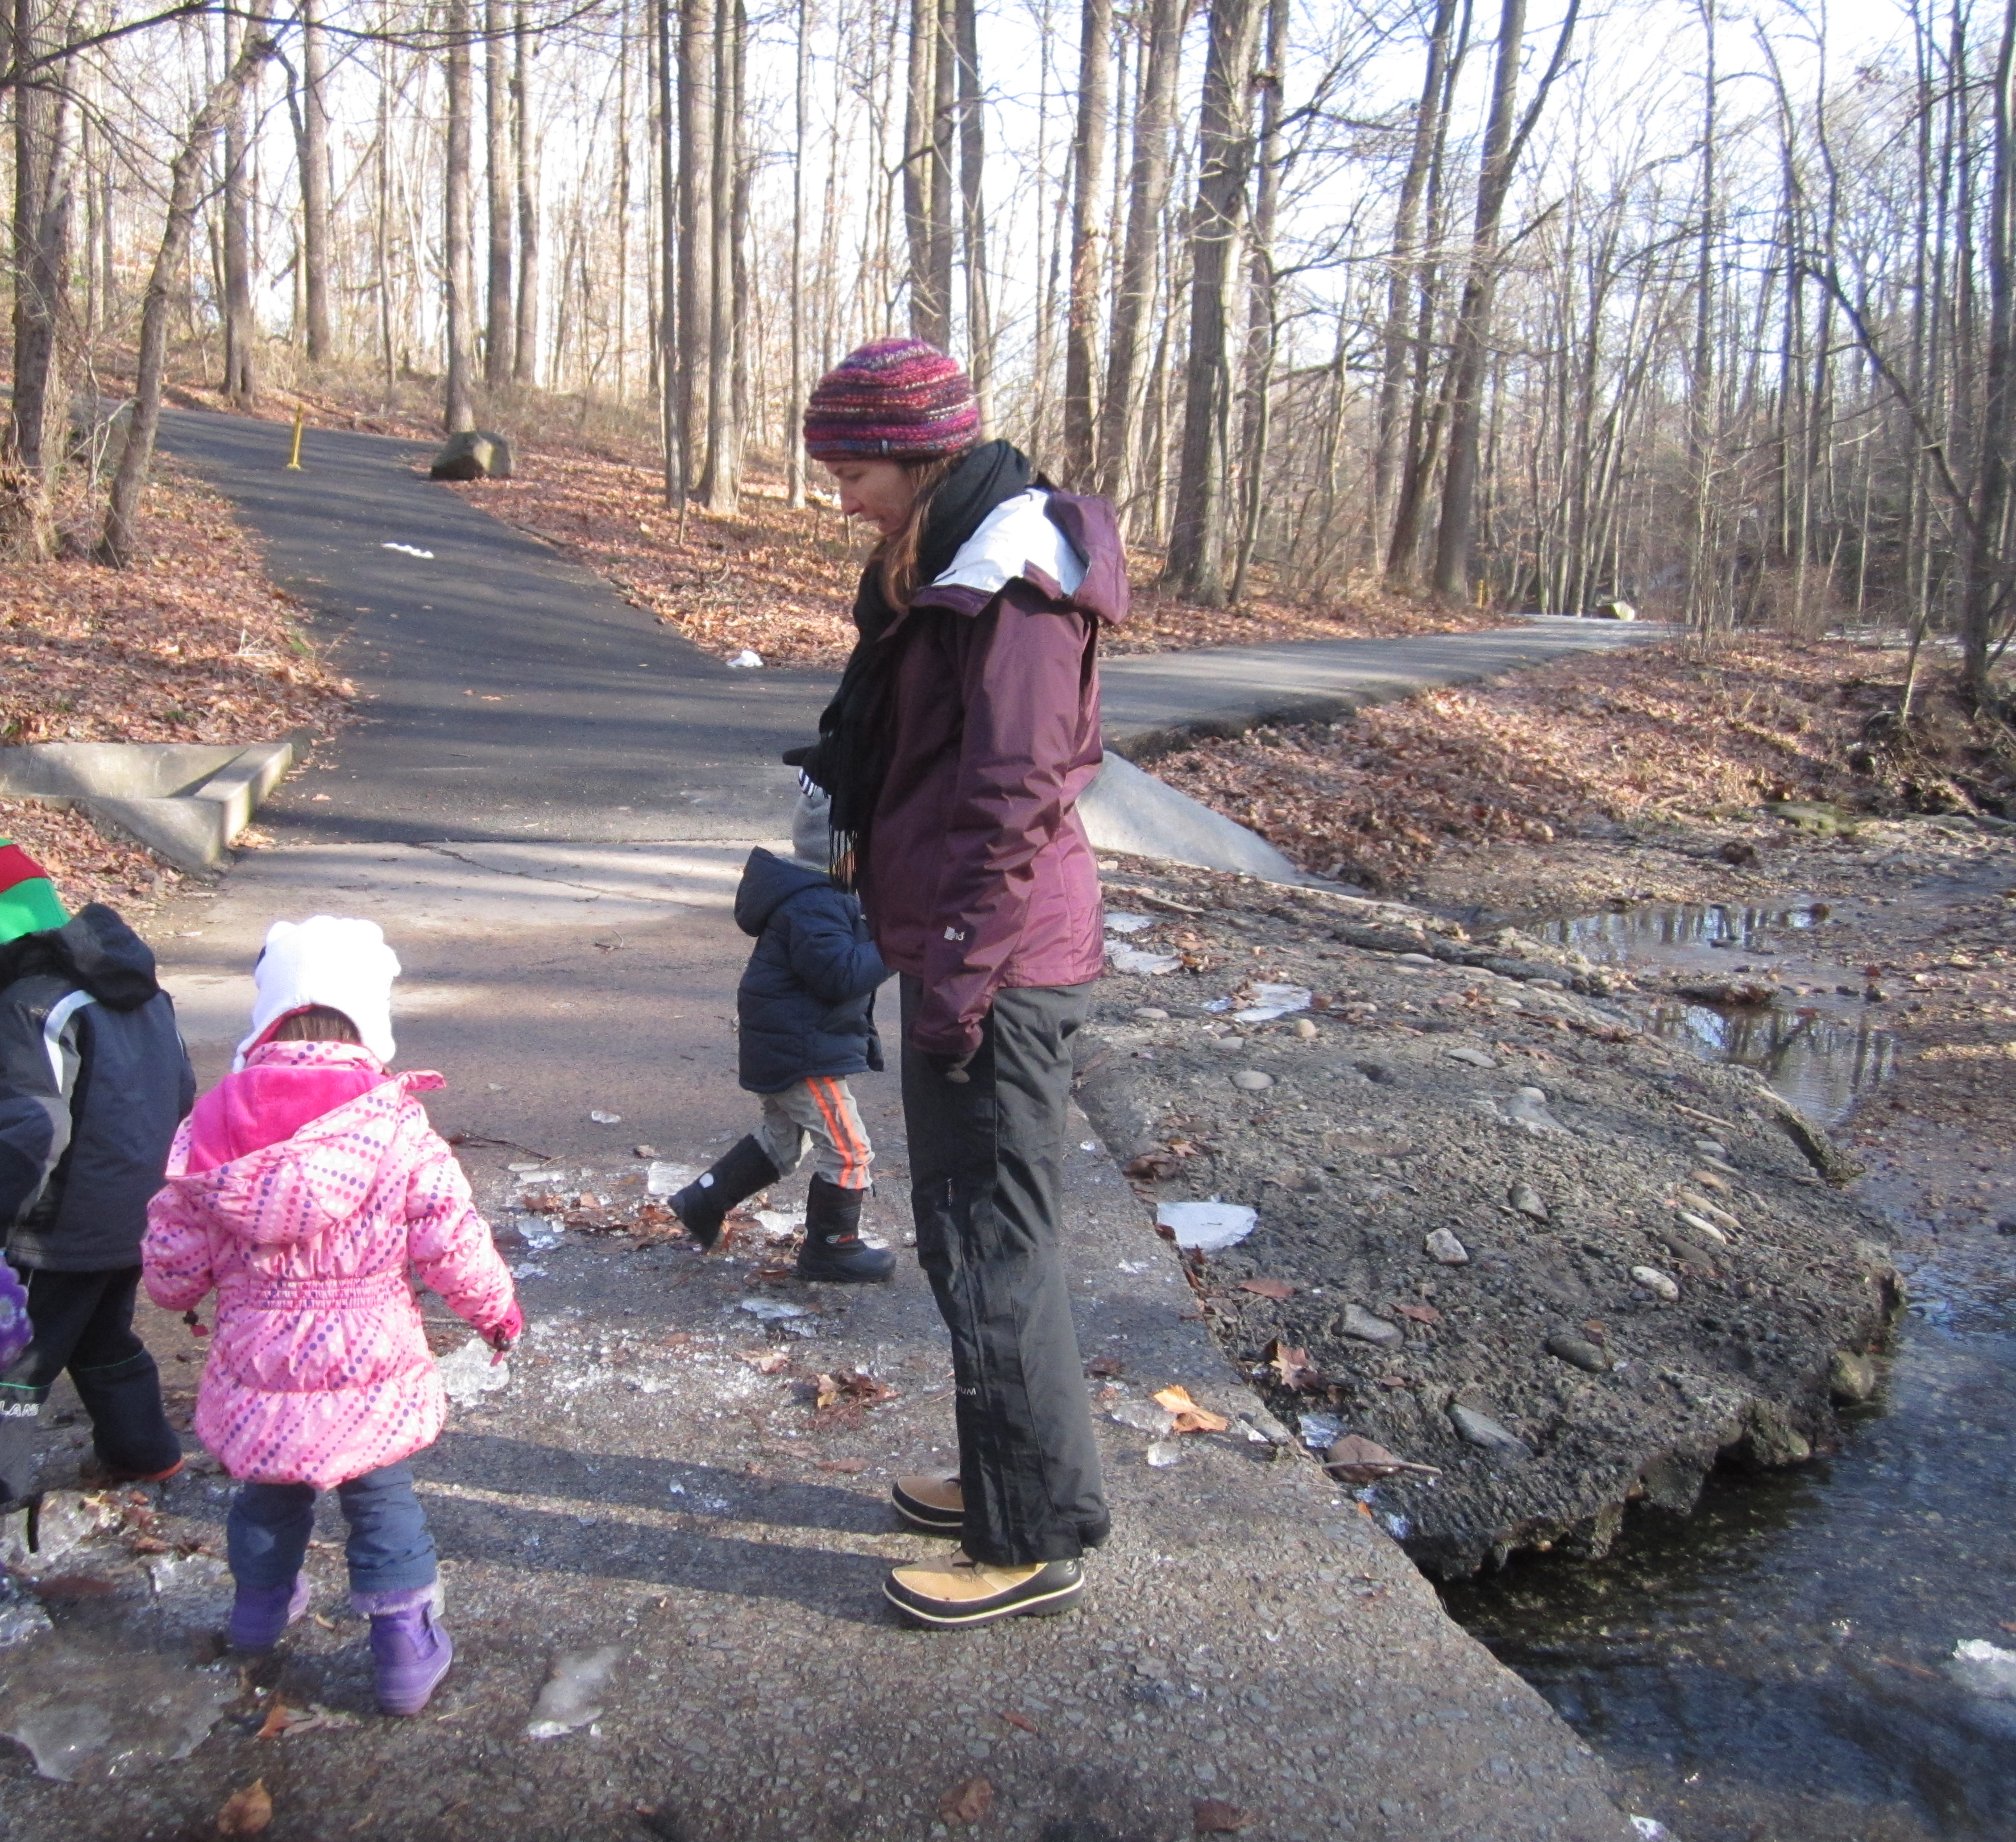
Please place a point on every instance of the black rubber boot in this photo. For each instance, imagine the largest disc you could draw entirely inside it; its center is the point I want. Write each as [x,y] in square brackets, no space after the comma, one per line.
[834,1249]
[703,1204]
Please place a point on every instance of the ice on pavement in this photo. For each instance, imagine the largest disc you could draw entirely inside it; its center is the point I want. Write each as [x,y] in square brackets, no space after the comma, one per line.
[469,1372]
[573,1696]
[87,1714]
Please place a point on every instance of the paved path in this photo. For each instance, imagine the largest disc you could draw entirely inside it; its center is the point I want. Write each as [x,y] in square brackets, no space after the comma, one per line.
[512,695]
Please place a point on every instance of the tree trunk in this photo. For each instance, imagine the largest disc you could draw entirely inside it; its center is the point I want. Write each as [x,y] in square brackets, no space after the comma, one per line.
[43,184]
[1503,144]
[795,409]
[240,370]
[1402,275]
[312,155]
[1985,600]
[1196,566]
[1264,320]
[721,480]
[499,347]
[459,410]
[1134,288]
[1095,87]
[696,215]
[525,331]
[115,546]
[927,173]
[972,166]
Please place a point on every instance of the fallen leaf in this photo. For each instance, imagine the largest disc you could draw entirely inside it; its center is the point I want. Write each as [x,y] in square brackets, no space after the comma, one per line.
[1190,1418]
[72,1586]
[849,1467]
[1916,1669]
[1358,1460]
[967,1802]
[280,1717]
[1108,1366]
[765,1362]
[1153,1167]
[1421,1314]
[246,1812]
[1276,1289]
[1021,1721]
[1293,1367]
[1213,1816]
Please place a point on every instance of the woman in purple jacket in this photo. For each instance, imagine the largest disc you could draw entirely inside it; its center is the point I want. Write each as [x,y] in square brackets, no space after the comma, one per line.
[965,728]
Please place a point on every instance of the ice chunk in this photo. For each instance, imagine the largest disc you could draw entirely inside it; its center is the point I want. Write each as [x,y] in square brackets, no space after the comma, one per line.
[772,1311]
[1134,959]
[745,661]
[668,1179]
[602,1118]
[1145,1416]
[1208,1227]
[1319,1431]
[21,1614]
[467,1374]
[410,550]
[1163,1453]
[574,1693]
[1127,923]
[1274,1001]
[1984,1668]
[87,1714]
[780,1224]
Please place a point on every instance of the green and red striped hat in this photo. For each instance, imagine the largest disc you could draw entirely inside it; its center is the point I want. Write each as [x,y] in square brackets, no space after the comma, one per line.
[28,900]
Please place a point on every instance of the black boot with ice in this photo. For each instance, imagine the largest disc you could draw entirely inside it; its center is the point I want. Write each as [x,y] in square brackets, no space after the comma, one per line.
[834,1249]
[703,1204]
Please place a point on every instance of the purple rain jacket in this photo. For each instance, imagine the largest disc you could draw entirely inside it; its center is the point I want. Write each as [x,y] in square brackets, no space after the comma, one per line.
[977,873]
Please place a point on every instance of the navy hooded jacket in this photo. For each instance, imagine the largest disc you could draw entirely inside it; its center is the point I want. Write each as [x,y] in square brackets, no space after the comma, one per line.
[93,1081]
[806,1004]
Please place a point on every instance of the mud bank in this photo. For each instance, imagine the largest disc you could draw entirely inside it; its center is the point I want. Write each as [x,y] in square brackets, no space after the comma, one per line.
[1499,1231]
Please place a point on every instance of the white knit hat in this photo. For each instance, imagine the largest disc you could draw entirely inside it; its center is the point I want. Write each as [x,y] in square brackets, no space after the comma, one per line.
[345,964]
[811,830]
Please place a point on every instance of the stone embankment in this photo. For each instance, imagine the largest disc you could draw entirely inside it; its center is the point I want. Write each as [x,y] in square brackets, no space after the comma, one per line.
[1556,1265]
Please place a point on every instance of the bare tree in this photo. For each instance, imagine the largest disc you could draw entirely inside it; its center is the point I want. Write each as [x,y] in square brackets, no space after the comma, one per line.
[525,331]
[312,155]
[499,347]
[1197,559]
[240,336]
[972,207]
[1094,90]
[115,546]
[459,410]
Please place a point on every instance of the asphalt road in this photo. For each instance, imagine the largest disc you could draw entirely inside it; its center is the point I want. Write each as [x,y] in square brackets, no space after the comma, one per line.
[511,695]
[507,694]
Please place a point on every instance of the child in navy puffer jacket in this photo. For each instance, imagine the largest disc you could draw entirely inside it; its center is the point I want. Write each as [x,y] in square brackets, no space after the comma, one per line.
[806,1007]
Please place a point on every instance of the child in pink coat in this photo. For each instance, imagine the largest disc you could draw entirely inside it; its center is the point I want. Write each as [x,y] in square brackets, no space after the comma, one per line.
[303,1188]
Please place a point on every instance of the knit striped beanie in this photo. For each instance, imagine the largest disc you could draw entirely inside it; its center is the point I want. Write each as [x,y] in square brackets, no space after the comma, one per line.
[28,903]
[894,399]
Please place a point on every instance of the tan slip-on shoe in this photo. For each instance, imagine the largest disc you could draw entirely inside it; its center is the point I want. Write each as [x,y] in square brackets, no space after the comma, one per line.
[935,1505]
[958,1593]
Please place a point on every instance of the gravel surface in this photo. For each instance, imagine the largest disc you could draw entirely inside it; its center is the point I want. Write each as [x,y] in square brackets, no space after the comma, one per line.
[1516,1240]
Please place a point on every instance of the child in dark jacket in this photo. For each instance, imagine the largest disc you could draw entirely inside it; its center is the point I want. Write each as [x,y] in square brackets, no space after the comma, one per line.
[806,1008]
[93,1081]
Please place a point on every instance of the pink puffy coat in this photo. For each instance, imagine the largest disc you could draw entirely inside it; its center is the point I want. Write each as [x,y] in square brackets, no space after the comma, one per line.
[302,1189]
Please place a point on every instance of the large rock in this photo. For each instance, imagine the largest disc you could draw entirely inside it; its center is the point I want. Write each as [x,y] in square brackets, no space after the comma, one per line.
[477,454]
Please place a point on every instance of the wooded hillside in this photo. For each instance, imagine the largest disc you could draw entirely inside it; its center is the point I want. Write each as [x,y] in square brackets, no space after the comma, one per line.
[1505,303]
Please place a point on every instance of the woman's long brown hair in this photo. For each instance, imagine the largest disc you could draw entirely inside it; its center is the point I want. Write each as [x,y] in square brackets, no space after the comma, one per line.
[897,555]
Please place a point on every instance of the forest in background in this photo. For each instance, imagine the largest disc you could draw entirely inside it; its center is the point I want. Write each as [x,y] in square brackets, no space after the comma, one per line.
[1706,309]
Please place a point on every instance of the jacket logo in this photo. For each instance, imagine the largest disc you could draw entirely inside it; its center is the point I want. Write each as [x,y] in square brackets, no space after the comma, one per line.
[955,933]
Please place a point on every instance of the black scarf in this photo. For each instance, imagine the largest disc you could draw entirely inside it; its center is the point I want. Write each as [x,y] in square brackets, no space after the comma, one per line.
[851,756]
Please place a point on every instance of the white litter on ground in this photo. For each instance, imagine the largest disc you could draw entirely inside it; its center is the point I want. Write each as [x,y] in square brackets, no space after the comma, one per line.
[745,661]
[1206,1227]
[573,1696]
[409,550]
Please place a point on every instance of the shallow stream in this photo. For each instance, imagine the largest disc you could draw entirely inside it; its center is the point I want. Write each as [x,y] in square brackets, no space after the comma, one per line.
[1774,1668]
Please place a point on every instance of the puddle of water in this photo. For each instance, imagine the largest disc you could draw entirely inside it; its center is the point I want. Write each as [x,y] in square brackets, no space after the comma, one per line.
[1820,1048]
[1774,1666]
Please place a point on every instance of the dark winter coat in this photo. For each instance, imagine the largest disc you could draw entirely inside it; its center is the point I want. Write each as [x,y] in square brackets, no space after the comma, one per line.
[94,1080]
[978,875]
[806,1004]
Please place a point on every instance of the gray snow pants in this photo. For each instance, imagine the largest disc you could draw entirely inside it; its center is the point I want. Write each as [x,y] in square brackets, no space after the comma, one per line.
[987,1188]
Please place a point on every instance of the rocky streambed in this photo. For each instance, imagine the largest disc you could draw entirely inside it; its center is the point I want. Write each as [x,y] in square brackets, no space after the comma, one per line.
[1552,1264]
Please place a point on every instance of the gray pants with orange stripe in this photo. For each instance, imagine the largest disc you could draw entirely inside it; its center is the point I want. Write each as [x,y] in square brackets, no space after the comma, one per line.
[819,1110]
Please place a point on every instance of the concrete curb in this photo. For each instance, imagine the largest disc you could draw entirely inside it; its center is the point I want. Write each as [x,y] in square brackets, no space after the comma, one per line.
[1130,812]
[185,801]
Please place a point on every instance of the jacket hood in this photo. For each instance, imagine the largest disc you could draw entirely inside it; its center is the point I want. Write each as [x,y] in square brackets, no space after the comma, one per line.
[314,1179]
[1065,544]
[96,950]
[768,882]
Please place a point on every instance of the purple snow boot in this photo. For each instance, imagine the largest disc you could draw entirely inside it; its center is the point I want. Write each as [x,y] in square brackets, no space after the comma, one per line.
[410,1652]
[259,1614]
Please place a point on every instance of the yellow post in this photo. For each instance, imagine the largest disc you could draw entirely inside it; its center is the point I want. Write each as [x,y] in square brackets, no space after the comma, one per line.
[294,459]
